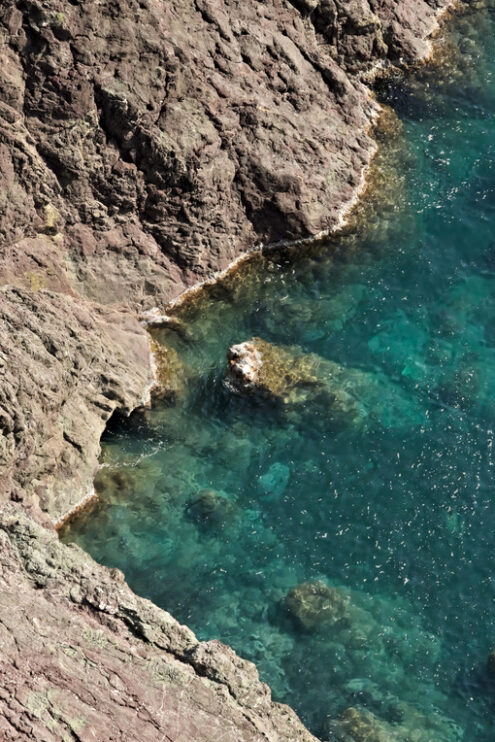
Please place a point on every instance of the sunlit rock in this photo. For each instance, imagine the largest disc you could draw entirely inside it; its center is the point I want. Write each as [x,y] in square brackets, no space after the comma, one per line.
[305,383]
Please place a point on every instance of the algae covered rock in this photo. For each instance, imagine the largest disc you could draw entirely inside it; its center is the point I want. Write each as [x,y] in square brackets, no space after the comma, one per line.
[290,378]
[209,508]
[360,726]
[305,383]
[113,482]
[315,604]
[169,371]
[268,371]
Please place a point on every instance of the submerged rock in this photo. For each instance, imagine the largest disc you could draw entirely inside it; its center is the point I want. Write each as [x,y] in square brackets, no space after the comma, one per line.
[469,384]
[361,725]
[169,371]
[110,482]
[210,508]
[313,604]
[275,480]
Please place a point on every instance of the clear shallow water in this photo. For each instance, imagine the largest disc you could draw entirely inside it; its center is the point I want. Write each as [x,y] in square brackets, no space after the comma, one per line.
[398,514]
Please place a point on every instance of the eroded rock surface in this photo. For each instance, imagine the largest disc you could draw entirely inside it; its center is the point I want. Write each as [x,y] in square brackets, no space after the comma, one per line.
[65,366]
[158,140]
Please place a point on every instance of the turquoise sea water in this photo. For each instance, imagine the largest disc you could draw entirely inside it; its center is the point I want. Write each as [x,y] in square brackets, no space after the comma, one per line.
[397,514]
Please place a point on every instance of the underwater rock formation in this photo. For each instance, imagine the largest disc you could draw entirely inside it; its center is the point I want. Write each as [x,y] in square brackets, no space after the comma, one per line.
[313,604]
[169,371]
[361,725]
[209,508]
[339,396]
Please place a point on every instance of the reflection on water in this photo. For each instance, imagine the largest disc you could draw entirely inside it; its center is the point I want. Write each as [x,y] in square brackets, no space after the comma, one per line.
[354,564]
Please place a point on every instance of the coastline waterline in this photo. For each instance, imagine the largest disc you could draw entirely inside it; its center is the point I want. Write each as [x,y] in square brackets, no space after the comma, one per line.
[217,509]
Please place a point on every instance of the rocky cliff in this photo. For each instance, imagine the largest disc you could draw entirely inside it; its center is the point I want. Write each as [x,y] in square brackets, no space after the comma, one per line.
[144,146]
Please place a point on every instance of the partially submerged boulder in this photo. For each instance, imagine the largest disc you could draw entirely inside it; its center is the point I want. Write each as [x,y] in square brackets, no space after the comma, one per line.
[307,383]
[286,375]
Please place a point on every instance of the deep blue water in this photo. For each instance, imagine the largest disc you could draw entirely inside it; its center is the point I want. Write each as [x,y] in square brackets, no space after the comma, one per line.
[398,514]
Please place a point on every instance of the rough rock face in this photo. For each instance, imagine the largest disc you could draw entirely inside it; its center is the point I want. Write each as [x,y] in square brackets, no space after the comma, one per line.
[84,658]
[158,140]
[65,366]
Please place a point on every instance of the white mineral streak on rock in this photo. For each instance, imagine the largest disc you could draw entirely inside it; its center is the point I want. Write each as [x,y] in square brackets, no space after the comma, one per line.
[245,362]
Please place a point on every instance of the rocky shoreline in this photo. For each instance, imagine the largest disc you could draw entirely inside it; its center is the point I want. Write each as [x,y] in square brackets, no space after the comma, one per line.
[145,148]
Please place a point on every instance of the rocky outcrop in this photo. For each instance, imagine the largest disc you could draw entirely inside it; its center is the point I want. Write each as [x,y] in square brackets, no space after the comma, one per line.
[65,366]
[134,162]
[159,140]
[144,145]
[84,658]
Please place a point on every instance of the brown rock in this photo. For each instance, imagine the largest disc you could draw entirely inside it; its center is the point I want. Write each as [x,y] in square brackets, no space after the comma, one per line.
[159,160]
[65,366]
